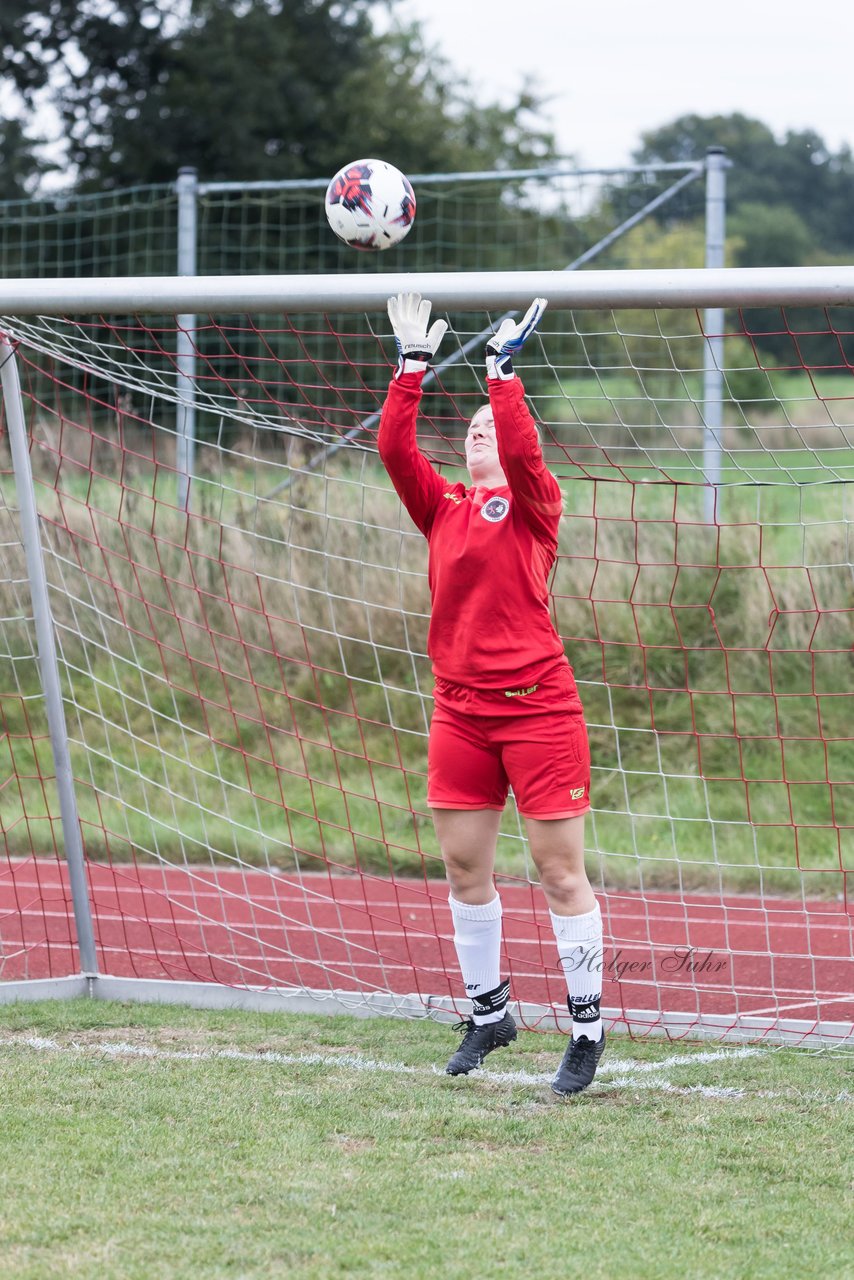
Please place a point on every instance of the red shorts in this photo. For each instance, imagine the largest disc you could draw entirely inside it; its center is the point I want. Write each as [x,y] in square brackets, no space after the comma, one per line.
[482,742]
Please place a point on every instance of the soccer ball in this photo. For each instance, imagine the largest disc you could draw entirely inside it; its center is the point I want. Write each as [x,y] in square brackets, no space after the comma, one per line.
[370,204]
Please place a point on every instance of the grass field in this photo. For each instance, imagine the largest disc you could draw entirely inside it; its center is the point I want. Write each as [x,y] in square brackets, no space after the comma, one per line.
[141,1142]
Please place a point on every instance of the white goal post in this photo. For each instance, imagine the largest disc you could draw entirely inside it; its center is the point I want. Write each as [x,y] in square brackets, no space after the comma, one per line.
[450,291]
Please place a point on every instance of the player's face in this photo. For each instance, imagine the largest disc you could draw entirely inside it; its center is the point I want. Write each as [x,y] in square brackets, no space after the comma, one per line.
[482,448]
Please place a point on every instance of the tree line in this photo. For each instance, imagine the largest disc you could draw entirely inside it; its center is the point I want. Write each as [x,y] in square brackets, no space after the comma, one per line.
[131,90]
[240,89]
[114,94]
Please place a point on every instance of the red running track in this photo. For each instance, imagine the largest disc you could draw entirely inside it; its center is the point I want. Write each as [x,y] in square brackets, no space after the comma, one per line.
[698,954]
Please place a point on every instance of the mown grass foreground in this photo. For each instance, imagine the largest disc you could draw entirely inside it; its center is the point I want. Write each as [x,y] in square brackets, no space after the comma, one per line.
[146,1142]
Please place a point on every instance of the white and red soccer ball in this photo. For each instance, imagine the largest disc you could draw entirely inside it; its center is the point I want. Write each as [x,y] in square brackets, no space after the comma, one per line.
[370,204]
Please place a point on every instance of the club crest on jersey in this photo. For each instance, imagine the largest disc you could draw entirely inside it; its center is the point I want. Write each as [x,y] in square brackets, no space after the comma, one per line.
[494,510]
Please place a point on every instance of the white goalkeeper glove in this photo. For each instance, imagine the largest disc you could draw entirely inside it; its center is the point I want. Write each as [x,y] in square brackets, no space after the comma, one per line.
[511,337]
[409,314]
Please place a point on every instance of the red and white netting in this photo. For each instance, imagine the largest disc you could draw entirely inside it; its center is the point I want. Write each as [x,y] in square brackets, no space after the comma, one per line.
[247,692]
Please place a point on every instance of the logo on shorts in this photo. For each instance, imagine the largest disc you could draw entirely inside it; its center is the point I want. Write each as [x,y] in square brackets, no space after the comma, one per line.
[494,510]
[576,793]
[521,693]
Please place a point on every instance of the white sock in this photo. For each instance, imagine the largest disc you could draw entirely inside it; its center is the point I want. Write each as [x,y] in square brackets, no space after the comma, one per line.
[477,938]
[579,945]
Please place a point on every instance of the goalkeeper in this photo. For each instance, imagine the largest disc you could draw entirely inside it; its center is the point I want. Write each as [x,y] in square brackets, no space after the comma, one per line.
[506,708]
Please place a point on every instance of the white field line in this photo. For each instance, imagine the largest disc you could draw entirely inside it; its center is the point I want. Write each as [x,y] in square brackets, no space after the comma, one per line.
[613,1074]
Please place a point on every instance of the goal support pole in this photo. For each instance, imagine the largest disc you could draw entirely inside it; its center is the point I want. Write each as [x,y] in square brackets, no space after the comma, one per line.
[185,340]
[713,323]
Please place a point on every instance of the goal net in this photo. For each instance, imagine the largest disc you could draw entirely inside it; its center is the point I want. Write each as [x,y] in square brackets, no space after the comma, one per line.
[242,661]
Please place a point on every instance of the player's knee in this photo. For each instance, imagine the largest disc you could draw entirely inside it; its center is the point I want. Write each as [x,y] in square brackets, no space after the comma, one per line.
[464,871]
[564,887]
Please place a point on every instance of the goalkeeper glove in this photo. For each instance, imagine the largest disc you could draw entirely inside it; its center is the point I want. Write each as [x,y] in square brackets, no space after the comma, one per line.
[409,315]
[509,338]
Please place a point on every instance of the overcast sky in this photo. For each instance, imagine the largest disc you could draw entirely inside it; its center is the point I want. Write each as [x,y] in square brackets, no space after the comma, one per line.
[615,69]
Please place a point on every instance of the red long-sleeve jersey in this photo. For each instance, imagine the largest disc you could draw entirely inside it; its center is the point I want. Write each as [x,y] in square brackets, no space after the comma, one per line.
[491,550]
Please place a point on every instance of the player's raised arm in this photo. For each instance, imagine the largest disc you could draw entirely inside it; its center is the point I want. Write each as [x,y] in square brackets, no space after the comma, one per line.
[532,484]
[418,485]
